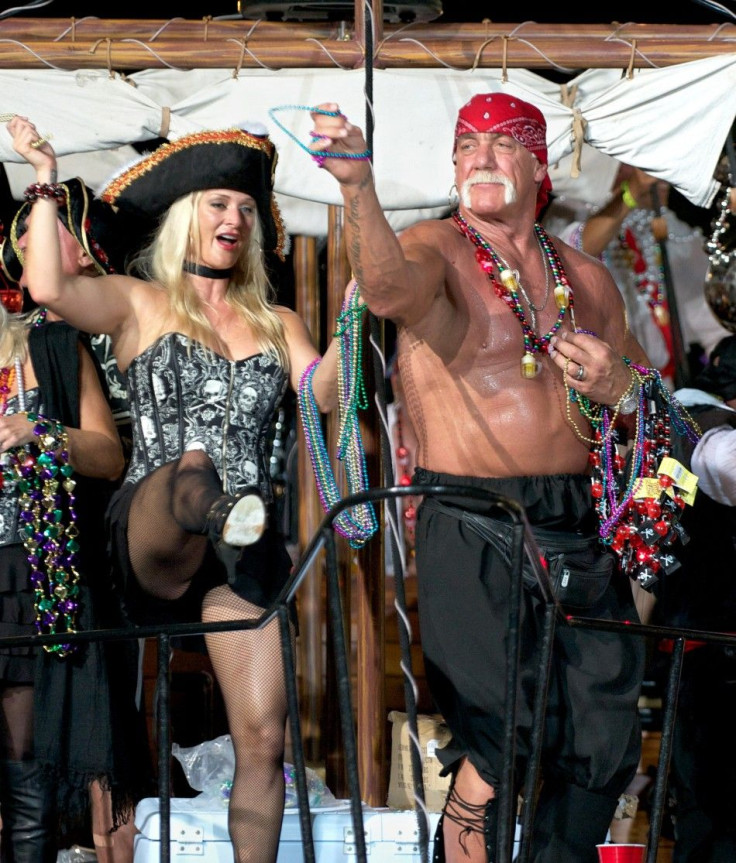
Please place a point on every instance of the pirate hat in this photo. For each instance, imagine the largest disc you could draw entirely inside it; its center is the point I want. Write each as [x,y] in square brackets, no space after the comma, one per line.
[91,222]
[244,161]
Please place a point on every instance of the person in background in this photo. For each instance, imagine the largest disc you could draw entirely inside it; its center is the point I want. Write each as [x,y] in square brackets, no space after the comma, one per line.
[512,348]
[627,232]
[207,357]
[701,595]
[103,242]
[91,239]
[56,431]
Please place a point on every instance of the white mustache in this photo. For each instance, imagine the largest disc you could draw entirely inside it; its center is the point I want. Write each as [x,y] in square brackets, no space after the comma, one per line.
[488,177]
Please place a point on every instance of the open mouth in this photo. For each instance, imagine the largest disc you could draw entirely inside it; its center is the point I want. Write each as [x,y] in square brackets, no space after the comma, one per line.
[228,240]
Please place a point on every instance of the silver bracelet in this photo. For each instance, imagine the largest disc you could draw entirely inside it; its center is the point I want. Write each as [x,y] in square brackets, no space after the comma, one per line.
[630,402]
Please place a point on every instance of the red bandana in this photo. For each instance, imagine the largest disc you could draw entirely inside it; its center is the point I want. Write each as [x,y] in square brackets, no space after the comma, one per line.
[502,114]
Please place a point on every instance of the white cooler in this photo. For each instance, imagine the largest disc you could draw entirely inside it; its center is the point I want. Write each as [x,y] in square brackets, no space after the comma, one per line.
[200,834]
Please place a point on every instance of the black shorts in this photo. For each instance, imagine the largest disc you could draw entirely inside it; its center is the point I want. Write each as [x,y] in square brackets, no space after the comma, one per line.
[592,736]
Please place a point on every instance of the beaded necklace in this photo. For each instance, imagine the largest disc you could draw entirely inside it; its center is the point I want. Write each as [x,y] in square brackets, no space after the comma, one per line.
[507,285]
[357,524]
[644,261]
[319,156]
[639,509]
[40,472]
[41,315]
[532,308]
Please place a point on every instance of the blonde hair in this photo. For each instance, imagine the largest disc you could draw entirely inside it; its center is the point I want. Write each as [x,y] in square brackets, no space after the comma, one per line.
[249,290]
[13,336]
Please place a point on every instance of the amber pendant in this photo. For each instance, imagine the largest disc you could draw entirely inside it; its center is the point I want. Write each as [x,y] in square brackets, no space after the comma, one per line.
[510,280]
[560,297]
[661,315]
[530,366]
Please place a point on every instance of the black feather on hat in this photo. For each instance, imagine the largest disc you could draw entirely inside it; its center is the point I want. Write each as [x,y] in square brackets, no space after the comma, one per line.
[221,159]
[90,221]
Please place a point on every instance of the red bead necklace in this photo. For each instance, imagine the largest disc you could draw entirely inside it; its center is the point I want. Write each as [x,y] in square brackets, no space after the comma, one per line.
[639,507]
[649,280]
[506,287]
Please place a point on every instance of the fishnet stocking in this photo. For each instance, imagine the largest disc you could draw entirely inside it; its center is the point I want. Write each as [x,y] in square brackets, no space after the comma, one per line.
[249,668]
[16,715]
[176,499]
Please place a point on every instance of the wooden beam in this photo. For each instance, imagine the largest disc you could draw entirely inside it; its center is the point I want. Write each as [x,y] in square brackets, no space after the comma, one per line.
[69,29]
[128,46]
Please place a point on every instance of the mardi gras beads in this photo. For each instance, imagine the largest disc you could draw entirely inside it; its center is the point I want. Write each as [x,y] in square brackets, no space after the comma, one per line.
[48,528]
[357,524]
[506,287]
[639,499]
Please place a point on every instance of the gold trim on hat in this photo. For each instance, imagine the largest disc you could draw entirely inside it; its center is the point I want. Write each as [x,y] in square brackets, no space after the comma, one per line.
[225,136]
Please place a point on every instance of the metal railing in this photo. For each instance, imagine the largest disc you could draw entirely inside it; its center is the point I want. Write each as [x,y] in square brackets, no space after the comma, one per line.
[523,545]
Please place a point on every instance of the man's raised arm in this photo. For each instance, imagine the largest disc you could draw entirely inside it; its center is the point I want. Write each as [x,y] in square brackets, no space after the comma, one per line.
[393,279]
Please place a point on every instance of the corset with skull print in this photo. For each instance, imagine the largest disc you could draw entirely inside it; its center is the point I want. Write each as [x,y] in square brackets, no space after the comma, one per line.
[8,494]
[183,396]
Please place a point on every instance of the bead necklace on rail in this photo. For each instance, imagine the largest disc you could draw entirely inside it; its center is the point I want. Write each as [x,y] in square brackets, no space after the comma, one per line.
[357,524]
[508,288]
[43,478]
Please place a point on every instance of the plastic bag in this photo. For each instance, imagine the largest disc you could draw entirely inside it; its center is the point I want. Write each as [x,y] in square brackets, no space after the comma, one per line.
[209,768]
[318,793]
[76,854]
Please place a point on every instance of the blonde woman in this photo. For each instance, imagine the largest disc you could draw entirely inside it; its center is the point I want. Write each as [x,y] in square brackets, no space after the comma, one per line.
[208,357]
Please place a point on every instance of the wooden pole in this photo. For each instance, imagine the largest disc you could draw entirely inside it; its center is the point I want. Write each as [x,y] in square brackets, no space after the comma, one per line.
[152,30]
[338,274]
[370,561]
[120,46]
[309,596]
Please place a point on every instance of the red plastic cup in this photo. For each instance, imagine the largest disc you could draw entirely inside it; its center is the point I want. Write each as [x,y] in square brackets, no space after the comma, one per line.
[621,853]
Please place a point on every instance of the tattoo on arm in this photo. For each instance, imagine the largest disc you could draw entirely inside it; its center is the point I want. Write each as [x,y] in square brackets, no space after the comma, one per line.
[355,245]
[54,175]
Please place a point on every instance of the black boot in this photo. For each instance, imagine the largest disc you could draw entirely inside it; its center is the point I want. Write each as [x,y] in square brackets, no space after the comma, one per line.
[438,848]
[569,822]
[28,803]
[234,522]
[490,829]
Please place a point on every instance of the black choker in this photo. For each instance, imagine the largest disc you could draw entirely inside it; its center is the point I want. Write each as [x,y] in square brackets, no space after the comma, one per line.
[207,272]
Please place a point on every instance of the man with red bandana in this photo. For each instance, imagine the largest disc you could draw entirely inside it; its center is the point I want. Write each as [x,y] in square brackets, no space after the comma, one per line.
[489,352]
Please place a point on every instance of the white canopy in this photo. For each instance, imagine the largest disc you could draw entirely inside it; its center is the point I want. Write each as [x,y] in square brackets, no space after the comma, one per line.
[672,122]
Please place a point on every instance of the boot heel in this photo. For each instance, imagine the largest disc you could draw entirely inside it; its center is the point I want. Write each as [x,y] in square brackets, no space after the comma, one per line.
[245,522]
[237,520]
[233,523]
